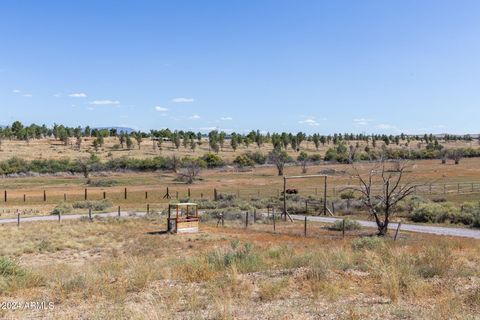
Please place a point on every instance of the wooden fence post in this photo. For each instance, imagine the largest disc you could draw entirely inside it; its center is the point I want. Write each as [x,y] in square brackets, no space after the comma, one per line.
[24,197]
[125,193]
[44,195]
[215,195]
[246,219]
[64,197]
[90,214]
[59,215]
[396,232]
[305,227]
[18,218]
[86,195]
[148,208]
[119,211]
[273,215]
[189,192]
[343,228]
[146,195]
[5,195]
[104,195]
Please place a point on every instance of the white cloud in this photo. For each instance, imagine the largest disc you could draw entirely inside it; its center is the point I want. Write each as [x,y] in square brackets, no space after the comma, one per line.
[161,109]
[362,121]
[226,118]
[56,95]
[386,126]
[16,91]
[105,102]
[28,95]
[195,117]
[78,95]
[309,122]
[182,100]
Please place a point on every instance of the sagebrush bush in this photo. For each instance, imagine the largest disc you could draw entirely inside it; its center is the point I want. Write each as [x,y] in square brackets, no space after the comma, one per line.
[62,208]
[368,243]
[349,225]
[95,205]
[102,183]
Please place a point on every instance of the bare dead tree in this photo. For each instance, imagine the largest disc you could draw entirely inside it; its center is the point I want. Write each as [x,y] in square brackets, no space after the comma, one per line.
[381,202]
[190,172]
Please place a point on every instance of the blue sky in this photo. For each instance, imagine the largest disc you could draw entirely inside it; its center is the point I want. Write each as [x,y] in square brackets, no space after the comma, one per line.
[315,66]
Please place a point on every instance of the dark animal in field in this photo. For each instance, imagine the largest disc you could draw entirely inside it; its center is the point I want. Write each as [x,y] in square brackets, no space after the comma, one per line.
[291,191]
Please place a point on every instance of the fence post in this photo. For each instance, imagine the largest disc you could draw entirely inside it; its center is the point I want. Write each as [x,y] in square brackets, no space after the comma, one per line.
[18,218]
[189,192]
[176,195]
[215,196]
[148,208]
[86,196]
[59,215]
[246,219]
[273,215]
[64,197]
[305,227]
[146,194]
[24,197]
[201,195]
[396,232]
[125,193]
[90,214]
[119,211]
[104,194]
[343,228]
[44,195]
[5,195]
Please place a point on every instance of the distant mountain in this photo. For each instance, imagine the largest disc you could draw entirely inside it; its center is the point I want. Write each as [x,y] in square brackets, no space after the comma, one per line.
[119,129]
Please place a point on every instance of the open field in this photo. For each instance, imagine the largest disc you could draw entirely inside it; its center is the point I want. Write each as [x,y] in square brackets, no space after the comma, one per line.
[120,269]
[453,182]
[54,149]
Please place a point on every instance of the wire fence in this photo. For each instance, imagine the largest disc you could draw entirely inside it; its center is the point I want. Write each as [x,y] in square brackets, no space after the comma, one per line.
[166,194]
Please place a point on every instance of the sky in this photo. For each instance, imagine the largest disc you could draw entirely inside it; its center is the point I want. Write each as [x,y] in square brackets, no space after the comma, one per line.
[313,66]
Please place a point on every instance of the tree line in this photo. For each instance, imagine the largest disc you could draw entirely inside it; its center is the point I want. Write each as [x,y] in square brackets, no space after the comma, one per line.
[216,139]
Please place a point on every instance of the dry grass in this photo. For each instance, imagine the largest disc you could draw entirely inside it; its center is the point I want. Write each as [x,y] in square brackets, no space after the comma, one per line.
[116,269]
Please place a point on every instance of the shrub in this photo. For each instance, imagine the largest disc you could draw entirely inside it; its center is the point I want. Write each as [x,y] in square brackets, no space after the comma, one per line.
[212,160]
[243,257]
[95,205]
[243,161]
[257,157]
[349,225]
[368,243]
[102,183]
[433,212]
[62,208]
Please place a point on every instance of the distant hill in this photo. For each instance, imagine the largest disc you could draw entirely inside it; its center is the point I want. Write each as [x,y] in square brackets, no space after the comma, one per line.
[119,129]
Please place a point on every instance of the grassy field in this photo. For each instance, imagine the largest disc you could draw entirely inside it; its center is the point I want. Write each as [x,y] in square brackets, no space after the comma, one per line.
[54,149]
[122,269]
[260,182]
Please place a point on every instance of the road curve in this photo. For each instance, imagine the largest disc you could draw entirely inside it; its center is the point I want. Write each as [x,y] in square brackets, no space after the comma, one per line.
[453,232]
